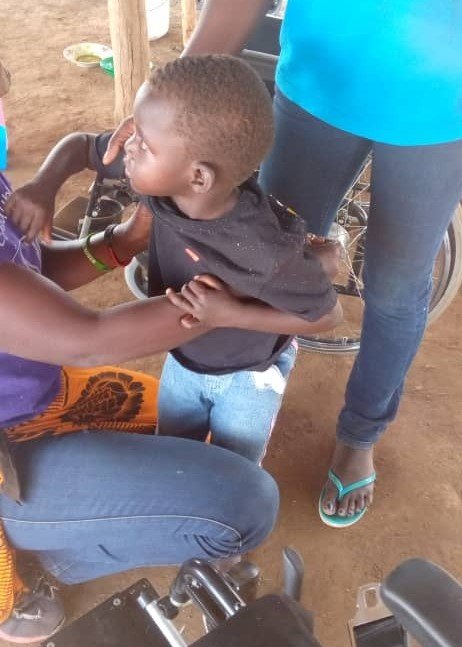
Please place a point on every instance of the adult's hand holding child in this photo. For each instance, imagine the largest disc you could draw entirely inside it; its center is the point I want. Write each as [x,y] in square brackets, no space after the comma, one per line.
[124,130]
[206,301]
[31,209]
[328,251]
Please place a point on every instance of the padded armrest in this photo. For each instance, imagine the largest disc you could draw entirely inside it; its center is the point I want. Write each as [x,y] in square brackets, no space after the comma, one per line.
[427,601]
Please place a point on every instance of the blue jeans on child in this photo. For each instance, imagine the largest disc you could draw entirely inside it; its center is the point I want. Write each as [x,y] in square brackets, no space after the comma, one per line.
[239,409]
[97,503]
[414,191]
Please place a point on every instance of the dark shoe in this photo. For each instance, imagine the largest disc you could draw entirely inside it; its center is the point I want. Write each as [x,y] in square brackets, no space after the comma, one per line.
[36,616]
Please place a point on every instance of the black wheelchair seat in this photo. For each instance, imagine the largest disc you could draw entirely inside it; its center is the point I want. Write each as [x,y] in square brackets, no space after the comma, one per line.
[273,620]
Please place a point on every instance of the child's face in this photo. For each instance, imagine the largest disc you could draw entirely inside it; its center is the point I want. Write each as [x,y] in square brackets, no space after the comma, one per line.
[155,157]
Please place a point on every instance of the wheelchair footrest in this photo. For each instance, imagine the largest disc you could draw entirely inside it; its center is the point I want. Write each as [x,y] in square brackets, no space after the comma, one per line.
[117,622]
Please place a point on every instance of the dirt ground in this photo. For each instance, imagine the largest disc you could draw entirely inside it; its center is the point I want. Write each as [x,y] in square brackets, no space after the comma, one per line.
[417,510]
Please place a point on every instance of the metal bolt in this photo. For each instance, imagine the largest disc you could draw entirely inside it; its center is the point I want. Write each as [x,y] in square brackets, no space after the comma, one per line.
[116,602]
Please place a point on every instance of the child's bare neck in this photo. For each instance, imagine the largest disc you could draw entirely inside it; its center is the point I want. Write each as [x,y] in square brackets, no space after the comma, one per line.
[207,206]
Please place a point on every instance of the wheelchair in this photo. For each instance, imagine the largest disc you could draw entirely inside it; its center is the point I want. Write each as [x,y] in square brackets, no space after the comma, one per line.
[418,604]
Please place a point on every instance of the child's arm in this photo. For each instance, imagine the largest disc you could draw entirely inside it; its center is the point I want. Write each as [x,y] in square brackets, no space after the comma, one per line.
[32,206]
[208,301]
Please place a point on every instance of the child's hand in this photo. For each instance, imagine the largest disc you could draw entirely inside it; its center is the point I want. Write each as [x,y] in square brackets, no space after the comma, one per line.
[31,209]
[206,301]
[329,253]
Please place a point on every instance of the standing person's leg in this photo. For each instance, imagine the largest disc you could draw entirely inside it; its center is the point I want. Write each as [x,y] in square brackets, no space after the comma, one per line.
[98,503]
[244,412]
[310,168]
[311,165]
[414,193]
[183,409]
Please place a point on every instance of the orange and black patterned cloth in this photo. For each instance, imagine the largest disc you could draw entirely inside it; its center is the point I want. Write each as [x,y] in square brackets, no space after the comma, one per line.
[106,398]
[103,398]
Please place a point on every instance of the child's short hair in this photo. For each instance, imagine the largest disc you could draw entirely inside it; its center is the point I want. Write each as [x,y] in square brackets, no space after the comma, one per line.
[223,111]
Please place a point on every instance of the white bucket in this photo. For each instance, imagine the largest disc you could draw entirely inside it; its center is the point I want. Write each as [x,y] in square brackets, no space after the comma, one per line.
[157,18]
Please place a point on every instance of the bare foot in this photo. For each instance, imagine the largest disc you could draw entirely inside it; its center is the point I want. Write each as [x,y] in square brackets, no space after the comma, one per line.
[349,465]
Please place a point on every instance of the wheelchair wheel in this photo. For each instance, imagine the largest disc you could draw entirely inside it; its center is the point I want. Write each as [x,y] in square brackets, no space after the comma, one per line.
[450,280]
[136,276]
[350,228]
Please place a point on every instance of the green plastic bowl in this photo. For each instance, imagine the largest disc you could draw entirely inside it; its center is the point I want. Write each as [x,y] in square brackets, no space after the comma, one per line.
[107,64]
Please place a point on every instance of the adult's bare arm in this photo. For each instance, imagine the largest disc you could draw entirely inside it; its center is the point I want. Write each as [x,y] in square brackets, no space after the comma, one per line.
[225,25]
[39,321]
[65,263]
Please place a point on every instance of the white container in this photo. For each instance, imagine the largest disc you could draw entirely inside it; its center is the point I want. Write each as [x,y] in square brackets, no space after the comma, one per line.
[87,54]
[157,18]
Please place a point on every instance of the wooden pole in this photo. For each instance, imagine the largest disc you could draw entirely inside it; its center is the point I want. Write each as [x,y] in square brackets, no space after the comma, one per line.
[130,45]
[188,18]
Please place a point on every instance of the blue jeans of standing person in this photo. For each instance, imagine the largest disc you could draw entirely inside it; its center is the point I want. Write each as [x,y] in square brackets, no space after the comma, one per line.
[97,503]
[414,191]
[239,409]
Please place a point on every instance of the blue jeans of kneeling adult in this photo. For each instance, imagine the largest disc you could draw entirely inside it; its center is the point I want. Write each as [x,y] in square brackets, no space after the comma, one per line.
[414,191]
[97,503]
[239,409]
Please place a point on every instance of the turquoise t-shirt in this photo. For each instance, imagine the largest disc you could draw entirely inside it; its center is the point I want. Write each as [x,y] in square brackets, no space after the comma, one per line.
[387,70]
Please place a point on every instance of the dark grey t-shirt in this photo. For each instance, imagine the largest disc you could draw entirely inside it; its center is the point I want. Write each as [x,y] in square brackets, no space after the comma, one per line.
[258,248]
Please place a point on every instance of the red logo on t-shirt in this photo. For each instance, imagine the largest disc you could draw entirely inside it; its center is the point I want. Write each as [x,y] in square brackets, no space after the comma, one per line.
[192,254]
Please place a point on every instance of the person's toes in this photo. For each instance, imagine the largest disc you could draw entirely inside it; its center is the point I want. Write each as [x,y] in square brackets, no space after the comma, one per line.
[329,504]
[350,506]
[368,498]
[356,504]
[342,509]
[361,503]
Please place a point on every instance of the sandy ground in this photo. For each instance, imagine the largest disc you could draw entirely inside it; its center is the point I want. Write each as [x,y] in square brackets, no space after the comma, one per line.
[418,502]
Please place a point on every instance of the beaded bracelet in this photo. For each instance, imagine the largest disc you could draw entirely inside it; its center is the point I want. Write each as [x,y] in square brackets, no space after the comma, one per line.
[102,267]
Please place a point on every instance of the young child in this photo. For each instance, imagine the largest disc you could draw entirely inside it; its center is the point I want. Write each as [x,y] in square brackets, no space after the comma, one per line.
[201,127]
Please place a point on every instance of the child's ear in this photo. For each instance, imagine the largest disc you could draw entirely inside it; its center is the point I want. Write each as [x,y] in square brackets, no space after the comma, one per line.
[203,177]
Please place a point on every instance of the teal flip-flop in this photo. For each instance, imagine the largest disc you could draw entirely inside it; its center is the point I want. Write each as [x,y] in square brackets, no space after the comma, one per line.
[335,520]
